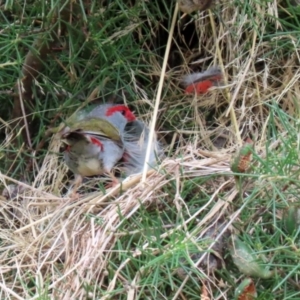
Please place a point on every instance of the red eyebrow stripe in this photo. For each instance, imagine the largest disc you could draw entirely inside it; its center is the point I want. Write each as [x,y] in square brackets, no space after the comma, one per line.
[121,108]
[97,143]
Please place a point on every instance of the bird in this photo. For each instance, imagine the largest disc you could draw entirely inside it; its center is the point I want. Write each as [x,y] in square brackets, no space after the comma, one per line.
[134,135]
[98,140]
[93,143]
[90,154]
[201,82]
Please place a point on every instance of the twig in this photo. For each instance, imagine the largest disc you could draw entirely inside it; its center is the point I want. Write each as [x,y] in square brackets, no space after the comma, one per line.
[158,95]
[24,113]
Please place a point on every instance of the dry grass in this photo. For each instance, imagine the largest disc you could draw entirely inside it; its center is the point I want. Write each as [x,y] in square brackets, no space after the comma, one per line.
[70,243]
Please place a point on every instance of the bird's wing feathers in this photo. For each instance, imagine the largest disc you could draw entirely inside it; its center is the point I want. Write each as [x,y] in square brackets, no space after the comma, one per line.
[135,148]
[99,127]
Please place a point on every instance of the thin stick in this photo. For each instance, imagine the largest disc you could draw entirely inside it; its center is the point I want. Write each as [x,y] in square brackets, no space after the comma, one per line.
[24,114]
[158,95]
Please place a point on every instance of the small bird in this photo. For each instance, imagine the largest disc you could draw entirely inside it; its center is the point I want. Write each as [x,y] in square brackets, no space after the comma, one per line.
[102,138]
[134,136]
[200,83]
[94,145]
[89,154]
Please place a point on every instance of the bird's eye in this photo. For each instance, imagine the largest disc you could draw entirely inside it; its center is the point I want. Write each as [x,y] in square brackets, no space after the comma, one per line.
[123,112]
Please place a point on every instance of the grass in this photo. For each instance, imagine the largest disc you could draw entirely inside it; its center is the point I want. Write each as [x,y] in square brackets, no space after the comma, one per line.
[151,240]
